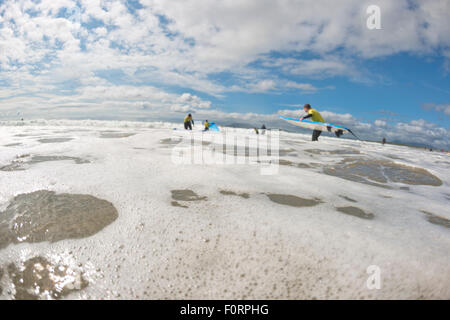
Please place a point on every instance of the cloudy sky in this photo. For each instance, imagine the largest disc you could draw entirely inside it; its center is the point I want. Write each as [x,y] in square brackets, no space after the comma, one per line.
[231,61]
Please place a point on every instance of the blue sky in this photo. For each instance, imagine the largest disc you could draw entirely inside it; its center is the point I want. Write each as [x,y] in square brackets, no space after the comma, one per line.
[231,62]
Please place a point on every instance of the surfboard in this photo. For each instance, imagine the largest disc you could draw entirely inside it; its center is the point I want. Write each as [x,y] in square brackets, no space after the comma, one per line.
[214,127]
[313,125]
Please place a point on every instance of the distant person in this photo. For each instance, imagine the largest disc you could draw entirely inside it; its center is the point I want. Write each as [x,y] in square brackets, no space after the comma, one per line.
[207,124]
[263,129]
[256,130]
[188,122]
[315,116]
[383,141]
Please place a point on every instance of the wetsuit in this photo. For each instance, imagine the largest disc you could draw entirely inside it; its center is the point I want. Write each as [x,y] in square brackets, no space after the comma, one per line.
[315,116]
[188,122]
[263,129]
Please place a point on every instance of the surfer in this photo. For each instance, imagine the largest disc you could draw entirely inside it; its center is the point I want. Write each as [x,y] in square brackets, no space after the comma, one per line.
[315,116]
[263,129]
[207,124]
[188,122]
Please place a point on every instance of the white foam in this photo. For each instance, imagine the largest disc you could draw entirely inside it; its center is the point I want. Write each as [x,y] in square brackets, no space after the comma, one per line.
[228,246]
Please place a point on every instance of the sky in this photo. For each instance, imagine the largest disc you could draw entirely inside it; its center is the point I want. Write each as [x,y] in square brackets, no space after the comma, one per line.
[231,62]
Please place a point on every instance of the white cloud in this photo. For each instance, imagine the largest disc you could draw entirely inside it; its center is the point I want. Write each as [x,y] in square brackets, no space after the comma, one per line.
[200,38]
[51,61]
[302,87]
[380,123]
[442,108]
[262,86]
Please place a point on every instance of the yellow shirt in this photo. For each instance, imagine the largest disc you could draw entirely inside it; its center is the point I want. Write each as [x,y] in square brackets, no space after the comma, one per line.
[207,125]
[315,115]
[187,119]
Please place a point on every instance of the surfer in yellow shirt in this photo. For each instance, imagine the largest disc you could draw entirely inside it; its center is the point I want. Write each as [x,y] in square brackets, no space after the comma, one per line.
[316,117]
[188,122]
[207,124]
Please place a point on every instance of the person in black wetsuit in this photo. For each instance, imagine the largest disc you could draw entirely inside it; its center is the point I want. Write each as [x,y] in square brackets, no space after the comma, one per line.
[188,122]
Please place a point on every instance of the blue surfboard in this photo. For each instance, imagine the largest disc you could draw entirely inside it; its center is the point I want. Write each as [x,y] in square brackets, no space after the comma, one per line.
[321,126]
[214,127]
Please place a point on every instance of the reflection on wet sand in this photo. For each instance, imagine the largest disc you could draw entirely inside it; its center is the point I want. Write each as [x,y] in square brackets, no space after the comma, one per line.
[47,216]
[293,201]
[39,279]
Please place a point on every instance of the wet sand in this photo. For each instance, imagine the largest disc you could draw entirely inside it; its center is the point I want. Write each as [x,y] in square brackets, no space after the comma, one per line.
[19,164]
[435,219]
[379,173]
[55,140]
[293,201]
[39,279]
[115,135]
[356,212]
[186,195]
[47,216]
[232,193]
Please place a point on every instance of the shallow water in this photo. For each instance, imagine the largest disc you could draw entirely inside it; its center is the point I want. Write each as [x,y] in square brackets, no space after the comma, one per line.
[47,216]
[234,251]
[292,201]
[39,279]
[356,212]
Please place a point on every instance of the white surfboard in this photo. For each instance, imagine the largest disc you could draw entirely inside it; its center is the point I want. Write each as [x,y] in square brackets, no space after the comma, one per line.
[313,125]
